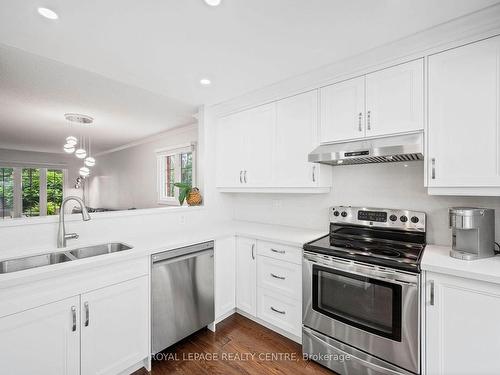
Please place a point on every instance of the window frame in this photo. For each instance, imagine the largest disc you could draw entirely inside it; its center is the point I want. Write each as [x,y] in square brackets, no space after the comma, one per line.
[161,175]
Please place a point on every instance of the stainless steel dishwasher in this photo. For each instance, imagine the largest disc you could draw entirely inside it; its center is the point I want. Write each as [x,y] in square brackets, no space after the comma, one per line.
[182,288]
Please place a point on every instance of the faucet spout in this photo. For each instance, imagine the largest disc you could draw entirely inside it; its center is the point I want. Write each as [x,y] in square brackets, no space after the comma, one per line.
[61,233]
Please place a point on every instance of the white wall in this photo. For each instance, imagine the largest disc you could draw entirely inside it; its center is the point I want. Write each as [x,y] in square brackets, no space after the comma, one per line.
[375,185]
[127,178]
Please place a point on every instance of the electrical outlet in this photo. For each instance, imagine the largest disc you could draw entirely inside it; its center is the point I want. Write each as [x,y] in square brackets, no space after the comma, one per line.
[277,203]
[182,219]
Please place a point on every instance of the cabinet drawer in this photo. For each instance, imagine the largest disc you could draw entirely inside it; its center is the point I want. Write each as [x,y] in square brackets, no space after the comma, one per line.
[283,277]
[279,251]
[281,311]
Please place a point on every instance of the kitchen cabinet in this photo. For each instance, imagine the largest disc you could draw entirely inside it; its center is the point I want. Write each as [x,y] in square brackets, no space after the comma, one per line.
[265,149]
[463,154]
[225,277]
[246,275]
[244,145]
[114,327]
[462,334]
[44,340]
[389,101]
[343,110]
[296,136]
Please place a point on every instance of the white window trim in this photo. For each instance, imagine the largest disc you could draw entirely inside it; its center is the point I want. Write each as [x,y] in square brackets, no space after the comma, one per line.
[161,175]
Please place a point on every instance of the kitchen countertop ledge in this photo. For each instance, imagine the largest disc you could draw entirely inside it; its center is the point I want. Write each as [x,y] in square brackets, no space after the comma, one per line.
[147,244]
[437,259]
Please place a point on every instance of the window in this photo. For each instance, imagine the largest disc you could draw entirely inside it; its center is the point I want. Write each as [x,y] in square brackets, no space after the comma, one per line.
[174,165]
[30,192]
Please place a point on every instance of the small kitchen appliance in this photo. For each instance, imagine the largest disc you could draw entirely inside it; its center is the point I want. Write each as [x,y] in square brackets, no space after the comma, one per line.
[473,232]
[361,289]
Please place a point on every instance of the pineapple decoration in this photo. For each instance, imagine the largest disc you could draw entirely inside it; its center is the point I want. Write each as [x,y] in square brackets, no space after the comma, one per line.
[191,195]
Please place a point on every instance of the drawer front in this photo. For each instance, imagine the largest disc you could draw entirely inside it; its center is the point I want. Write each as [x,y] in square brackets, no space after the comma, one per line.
[279,251]
[283,312]
[282,277]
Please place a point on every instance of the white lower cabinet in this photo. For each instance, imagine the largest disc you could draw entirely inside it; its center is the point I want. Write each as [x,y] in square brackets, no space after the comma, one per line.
[44,340]
[269,284]
[462,329]
[114,327]
[225,277]
[105,332]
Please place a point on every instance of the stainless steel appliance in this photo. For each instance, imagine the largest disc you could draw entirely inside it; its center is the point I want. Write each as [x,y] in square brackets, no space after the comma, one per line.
[473,232]
[379,150]
[361,286]
[182,293]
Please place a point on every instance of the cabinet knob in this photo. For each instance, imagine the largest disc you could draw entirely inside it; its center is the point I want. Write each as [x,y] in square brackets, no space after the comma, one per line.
[368,120]
[73,314]
[433,171]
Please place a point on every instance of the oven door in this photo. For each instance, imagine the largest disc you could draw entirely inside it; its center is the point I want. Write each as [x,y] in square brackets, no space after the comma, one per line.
[370,308]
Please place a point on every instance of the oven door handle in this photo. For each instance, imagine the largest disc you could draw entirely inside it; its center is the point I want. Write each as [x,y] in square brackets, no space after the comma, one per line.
[379,275]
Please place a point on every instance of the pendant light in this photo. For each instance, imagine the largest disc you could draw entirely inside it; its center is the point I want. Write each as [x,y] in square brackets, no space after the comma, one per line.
[89,160]
[71,140]
[81,153]
[69,149]
[84,172]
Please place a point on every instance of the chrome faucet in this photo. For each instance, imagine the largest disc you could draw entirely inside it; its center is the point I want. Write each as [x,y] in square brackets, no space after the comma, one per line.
[61,233]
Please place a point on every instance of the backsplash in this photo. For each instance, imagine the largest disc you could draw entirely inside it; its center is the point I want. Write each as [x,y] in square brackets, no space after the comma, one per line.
[377,185]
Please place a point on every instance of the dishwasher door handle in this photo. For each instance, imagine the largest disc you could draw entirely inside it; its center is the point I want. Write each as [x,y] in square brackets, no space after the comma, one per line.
[180,258]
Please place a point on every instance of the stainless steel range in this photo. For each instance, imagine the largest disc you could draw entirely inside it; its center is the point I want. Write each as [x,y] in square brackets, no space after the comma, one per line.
[361,287]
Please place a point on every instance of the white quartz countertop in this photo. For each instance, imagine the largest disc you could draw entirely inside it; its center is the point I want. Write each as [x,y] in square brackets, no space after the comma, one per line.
[144,245]
[437,259]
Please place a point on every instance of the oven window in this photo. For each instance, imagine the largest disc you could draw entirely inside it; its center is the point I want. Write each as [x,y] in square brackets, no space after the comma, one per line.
[370,304]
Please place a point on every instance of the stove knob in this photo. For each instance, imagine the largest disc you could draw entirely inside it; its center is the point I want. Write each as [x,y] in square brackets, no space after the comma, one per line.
[344,214]
[393,218]
[414,220]
[403,218]
[336,213]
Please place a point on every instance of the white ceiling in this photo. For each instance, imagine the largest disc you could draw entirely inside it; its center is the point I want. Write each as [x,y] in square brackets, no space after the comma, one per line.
[166,46]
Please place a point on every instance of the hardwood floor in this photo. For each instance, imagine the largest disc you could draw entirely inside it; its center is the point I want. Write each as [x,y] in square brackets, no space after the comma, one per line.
[240,346]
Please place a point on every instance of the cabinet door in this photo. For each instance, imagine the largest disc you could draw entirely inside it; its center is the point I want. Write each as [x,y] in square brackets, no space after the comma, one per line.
[395,99]
[114,333]
[230,156]
[246,275]
[257,134]
[43,341]
[296,137]
[342,110]
[464,102]
[462,330]
[225,276]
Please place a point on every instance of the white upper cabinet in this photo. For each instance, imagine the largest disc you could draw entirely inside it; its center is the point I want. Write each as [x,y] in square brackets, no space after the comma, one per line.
[389,101]
[395,99]
[296,136]
[463,133]
[343,110]
[265,149]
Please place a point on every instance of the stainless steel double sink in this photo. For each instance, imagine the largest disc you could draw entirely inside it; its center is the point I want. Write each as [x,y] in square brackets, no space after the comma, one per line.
[19,264]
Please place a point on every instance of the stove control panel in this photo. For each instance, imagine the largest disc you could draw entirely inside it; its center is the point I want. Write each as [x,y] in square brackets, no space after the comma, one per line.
[379,217]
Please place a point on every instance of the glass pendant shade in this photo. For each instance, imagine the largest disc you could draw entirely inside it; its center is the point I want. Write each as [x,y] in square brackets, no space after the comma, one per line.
[90,161]
[84,171]
[81,153]
[71,140]
[69,148]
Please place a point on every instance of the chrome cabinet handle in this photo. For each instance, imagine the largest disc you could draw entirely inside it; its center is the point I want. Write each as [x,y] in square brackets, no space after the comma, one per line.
[87,314]
[278,311]
[245,176]
[241,179]
[314,173]
[73,314]
[360,119]
[278,277]
[253,251]
[368,120]
[278,251]
[433,173]
[431,302]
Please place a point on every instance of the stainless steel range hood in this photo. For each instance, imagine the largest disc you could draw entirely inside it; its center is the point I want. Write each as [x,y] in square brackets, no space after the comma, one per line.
[379,150]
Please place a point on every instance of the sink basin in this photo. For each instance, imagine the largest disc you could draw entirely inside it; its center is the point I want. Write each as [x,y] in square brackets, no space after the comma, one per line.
[92,251]
[19,264]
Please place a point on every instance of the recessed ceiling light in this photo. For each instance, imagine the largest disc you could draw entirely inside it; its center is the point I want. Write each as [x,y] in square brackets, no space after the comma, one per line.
[48,13]
[205,82]
[213,3]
